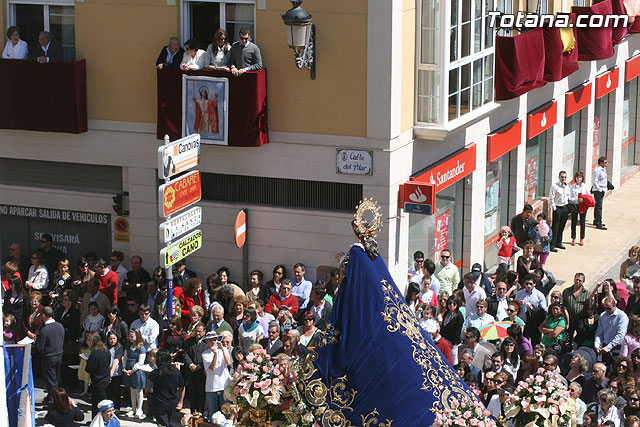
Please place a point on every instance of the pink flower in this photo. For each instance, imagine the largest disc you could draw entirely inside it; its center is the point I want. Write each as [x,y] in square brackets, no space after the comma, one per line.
[244,392]
[259,359]
[554,410]
[265,369]
[250,357]
[467,414]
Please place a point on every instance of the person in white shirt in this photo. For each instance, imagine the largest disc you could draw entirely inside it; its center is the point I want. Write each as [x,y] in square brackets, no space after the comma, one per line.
[38,278]
[301,288]
[218,52]
[479,319]
[577,189]
[215,361]
[472,293]
[15,48]
[559,198]
[598,189]
[149,328]
[194,56]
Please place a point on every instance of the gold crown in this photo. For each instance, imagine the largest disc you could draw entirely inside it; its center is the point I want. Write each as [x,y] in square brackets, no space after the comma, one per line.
[368,227]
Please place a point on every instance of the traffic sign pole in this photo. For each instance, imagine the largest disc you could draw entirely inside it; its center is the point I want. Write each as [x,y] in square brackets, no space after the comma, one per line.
[245,252]
[169,270]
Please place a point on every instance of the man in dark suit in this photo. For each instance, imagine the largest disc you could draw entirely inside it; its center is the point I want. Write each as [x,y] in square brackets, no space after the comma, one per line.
[320,307]
[47,50]
[182,275]
[49,343]
[633,303]
[152,297]
[195,375]
[497,304]
[272,344]
[170,55]
[23,261]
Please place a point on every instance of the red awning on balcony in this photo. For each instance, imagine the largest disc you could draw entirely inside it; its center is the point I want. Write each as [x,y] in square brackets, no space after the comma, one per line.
[594,43]
[519,64]
[618,33]
[43,97]
[247,105]
[558,64]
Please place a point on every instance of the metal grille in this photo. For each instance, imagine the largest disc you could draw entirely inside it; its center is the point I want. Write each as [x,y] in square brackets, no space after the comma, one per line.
[61,175]
[289,193]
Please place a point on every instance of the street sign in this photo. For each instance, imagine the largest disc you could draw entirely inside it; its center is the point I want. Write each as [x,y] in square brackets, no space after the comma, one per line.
[240,229]
[178,156]
[181,249]
[179,194]
[181,224]
[418,197]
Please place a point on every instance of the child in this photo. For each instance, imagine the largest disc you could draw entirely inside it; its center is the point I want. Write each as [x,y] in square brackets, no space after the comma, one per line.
[133,377]
[506,248]
[426,295]
[541,236]
[10,334]
[538,352]
[94,320]
[117,352]
[472,382]
[83,375]
[151,363]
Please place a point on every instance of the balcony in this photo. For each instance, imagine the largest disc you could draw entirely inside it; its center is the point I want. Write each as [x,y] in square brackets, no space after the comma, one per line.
[247,108]
[43,97]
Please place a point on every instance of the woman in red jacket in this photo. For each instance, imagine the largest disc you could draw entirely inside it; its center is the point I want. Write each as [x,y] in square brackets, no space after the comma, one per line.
[191,296]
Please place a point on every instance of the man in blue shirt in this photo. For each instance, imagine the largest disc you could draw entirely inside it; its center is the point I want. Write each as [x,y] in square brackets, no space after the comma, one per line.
[301,287]
[612,327]
[531,298]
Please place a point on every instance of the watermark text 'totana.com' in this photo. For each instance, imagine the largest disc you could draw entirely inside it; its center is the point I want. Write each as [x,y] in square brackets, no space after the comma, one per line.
[521,20]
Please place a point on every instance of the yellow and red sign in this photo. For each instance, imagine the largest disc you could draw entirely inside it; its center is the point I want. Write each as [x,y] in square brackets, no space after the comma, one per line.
[179,194]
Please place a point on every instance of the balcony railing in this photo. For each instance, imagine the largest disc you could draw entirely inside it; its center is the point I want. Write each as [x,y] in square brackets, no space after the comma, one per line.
[43,97]
[247,105]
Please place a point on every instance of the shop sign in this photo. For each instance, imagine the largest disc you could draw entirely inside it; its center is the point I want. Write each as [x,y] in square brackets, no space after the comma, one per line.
[504,140]
[181,249]
[577,99]
[442,234]
[354,162]
[418,197]
[179,194]
[180,224]
[542,119]
[121,229]
[179,156]
[607,82]
[450,170]
[632,68]
[54,214]
[596,142]
[531,179]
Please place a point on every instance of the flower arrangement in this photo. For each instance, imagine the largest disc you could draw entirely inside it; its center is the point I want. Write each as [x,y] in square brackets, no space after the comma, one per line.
[295,411]
[465,413]
[542,400]
[256,388]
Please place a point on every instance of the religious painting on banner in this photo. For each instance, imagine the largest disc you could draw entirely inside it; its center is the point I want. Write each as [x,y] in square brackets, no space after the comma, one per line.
[531,178]
[205,108]
[442,234]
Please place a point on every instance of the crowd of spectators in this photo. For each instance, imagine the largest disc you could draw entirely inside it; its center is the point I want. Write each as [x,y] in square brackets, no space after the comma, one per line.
[103,330]
[590,339]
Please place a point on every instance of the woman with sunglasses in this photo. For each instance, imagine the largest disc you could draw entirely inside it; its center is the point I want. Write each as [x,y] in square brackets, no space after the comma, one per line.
[273,285]
[553,329]
[84,273]
[523,345]
[635,364]
[113,324]
[586,325]
[218,52]
[510,356]
[623,372]
[452,321]
[606,410]
[633,404]
[513,308]
[631,340]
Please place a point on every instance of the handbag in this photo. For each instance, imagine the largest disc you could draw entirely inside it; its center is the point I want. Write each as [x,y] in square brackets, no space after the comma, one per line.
[610,186]
[563,346]
[572,208]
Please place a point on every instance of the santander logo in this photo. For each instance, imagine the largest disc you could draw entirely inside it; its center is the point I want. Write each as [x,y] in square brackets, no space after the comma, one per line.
[543,122]
[608,85]
[418,196]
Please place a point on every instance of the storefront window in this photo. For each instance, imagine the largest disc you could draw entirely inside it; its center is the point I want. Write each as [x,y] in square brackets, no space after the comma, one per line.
[535,168]
[629,116]
[571,148]
[600,129]
[442,230]
[496,209]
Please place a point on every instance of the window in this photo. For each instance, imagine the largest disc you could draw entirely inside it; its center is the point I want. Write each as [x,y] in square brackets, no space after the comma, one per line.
[571,147]
[535,168]
[600,129]
[629,117]
[56,17]
[455,71]
[201,19]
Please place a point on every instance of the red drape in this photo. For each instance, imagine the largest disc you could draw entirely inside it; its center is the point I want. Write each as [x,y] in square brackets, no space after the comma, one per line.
[519,64]
[594,43]
[247,105]
[618,33]
[635,26]
[43,97]
[558,64]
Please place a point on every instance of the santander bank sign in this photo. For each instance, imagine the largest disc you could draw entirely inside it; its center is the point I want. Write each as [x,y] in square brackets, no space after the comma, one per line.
[451,170]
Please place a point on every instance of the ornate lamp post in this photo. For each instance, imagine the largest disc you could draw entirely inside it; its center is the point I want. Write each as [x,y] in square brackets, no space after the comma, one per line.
[301,36]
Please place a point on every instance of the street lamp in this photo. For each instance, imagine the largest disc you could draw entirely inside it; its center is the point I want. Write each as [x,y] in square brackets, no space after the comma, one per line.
[301,36]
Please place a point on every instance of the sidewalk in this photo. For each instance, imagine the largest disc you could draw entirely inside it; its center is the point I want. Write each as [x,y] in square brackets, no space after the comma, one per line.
[603,250]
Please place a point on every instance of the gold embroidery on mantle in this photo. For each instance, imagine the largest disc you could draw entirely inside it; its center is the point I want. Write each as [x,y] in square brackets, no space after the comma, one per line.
[439,378]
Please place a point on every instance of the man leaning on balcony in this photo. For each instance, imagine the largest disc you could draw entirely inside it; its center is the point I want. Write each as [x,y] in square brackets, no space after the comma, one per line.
[48,50]
[245,56]
[170,55]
